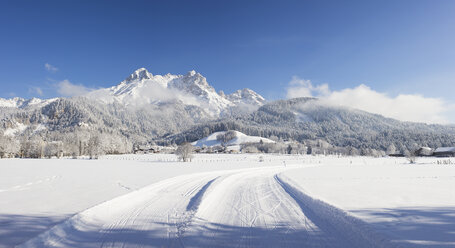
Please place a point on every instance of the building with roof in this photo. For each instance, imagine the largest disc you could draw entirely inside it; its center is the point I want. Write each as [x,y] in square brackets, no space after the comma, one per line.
[444,152]
[424,151]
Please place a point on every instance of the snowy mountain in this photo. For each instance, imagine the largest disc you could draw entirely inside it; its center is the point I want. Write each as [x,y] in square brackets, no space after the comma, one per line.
[141,107]
[185,108]
[239,139]
[246,97]
[22,103]
[143,88]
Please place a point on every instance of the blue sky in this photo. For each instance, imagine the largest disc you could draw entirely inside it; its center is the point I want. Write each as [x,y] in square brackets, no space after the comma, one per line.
[393,47]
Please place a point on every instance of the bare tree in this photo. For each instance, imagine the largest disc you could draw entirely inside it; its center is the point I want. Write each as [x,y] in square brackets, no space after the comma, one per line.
[289,149]
[34,147]
[230,135]
[411,156]
[250,149]
[9,147]
[51,149]
[95,147]
[185,152]
[220,138]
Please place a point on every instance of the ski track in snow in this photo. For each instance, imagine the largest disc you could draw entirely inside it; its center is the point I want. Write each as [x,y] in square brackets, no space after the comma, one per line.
[238,208]
[26,186]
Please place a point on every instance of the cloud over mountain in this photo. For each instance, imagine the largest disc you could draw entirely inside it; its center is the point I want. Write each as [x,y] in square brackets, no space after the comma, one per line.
[68,89]
[404,107]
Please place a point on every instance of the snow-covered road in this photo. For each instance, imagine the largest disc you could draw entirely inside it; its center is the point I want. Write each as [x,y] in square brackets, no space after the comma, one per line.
[254,207]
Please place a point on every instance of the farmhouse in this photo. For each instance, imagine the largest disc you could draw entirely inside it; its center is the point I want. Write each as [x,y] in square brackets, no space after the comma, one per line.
[444,152]
[144,149]
[233,149]
[424,151]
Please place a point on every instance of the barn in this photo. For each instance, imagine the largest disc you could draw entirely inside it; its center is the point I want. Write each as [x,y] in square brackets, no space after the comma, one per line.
[424,151]
[444,152]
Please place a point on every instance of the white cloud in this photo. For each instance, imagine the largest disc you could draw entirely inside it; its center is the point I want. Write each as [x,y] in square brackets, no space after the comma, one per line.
[50,67]
[156,92]
[304,88]
[36,90]
[66,88]
[404,107]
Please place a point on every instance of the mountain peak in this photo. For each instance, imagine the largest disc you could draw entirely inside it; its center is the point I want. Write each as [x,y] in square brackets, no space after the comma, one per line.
[139,74]
[246,93]
[191,73]
[142,88]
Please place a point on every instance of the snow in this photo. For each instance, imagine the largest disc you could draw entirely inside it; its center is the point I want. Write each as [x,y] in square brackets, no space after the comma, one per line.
[10,103]
[246,96]
[37,194]
[227,200]
[239,140]
[412,204]
[139,74]
[83,124]
[13,131]
[39,128]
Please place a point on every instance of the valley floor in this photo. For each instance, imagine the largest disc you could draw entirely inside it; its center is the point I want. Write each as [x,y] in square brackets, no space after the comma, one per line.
[227,200]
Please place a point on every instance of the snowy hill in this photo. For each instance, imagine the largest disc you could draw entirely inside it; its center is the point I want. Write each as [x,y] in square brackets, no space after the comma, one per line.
[240,139]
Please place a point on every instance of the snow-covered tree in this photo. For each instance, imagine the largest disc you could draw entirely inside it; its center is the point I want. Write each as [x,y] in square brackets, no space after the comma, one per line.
[32,148]
[94,147]
[391,149]
[9,147]
[53,149]
[185,152]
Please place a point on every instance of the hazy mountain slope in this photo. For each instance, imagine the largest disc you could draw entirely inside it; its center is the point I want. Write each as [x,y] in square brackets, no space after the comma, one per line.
[309,119]
[69,115]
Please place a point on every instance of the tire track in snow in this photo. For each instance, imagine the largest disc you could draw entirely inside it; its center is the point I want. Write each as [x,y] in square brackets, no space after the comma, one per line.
[261,209]
[154,216]
[335,222]
[250,209]
[240,208]
[29,185]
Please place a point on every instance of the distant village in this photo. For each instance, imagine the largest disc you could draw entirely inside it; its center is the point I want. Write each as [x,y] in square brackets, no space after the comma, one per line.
[429,152]
[219,142]
[289,148]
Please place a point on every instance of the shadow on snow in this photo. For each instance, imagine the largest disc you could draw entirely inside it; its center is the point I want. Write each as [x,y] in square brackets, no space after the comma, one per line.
[415,227]
[16,229]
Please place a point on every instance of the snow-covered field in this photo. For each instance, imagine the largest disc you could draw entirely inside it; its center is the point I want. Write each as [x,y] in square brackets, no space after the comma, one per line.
[227,200]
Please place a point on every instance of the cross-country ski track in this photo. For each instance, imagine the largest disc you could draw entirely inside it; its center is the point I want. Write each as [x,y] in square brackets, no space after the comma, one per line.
[256,207]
